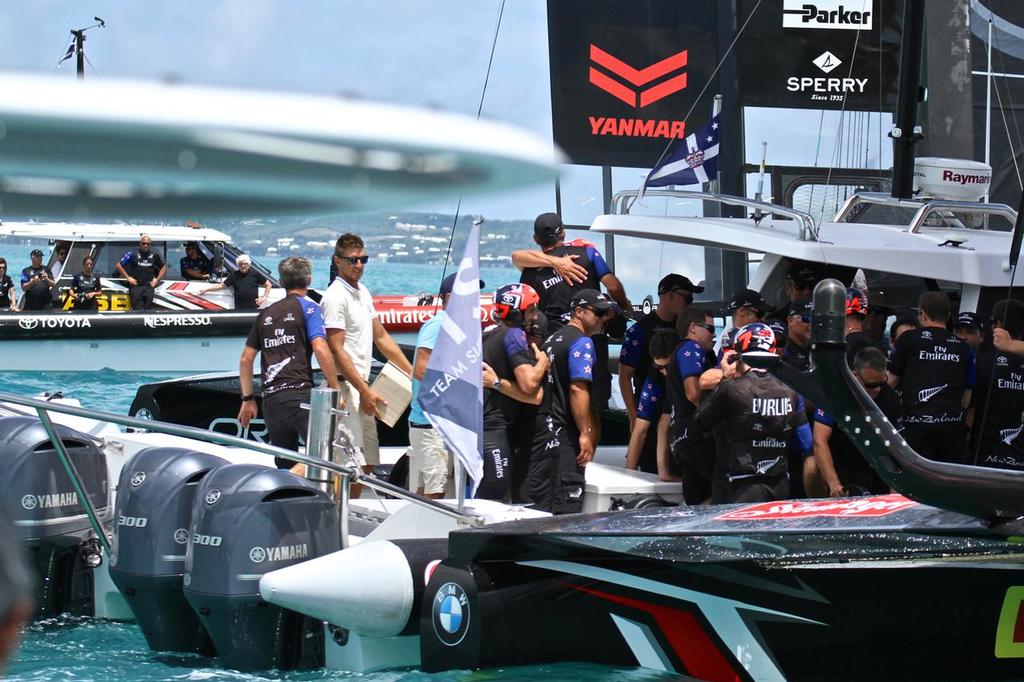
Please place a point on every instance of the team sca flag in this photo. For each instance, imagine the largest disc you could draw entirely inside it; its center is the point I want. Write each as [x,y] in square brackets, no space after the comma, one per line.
[451,394]
[68,54]
[690,161]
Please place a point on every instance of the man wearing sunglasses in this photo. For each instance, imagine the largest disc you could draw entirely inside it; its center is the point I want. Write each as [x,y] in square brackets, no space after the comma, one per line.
[838,460]
[798,286]
[798,334]
[352,332]
[567,427]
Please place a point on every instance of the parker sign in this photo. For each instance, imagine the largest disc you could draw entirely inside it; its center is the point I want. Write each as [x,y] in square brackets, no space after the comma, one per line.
[624,74]
[823,54]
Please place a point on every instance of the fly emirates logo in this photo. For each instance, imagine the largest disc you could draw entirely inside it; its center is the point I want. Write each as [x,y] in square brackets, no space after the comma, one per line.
[638,88]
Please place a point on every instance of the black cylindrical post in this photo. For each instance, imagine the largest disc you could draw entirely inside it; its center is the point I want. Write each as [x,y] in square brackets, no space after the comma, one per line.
[904,134]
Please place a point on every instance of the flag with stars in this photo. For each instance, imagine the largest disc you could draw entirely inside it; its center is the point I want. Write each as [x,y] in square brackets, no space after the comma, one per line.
[452,392]
[689,161]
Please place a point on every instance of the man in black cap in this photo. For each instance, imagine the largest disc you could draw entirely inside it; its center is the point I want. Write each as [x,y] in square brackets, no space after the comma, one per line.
[968,328]
[675,293]
[567,427]
[798,334]
[36,281]
[746,307]
[541,270]
[798,286]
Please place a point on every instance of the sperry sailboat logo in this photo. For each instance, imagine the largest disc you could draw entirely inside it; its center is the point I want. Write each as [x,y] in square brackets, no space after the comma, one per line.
[927,394]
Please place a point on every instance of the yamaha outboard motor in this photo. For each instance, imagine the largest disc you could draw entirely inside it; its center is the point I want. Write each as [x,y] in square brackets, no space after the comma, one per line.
[248,520]
[59,541]
[147,563]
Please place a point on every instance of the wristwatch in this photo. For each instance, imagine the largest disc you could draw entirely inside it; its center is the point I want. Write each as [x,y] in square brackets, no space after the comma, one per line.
[247,398]
[497,384]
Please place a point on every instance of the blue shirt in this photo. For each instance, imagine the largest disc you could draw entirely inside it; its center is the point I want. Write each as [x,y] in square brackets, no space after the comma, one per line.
[651,395]
[426,338]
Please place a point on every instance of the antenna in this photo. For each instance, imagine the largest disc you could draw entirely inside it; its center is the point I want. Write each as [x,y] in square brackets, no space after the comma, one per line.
[79,34]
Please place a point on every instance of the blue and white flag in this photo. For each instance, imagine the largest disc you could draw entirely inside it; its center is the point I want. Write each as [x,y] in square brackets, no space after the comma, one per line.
[451,394]
[68,54]
[690,161]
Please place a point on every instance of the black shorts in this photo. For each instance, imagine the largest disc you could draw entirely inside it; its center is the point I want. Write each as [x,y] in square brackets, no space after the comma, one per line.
[141,296]
[555,480]
[287,423]
[497,470]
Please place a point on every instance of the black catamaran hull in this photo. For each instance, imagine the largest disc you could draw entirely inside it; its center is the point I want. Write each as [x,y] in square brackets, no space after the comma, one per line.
[39,326]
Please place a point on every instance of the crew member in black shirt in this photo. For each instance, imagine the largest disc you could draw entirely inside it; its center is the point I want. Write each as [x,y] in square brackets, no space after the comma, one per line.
[7,296]
[143,269]
[543,270]
[798,286]
[798,334]
[567,427]
[512,380]
[36,281]
[286,336]
[935,372]
[841,464]
[999,420]
[246,283]
[86,287]
[194,265]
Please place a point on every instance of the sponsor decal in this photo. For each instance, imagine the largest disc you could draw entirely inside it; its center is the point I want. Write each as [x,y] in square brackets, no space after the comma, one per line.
[860,507]
[144,413]
[450,613]
[181,536]
[839,14]
[49,501]
[822,88]
[132,521]
[827,61]
[257,429]
[154,321]
[207,540]
[1010,631]
[965,178]
[138,478]
[212,496]
[54,322]
[637,91]
[258,555]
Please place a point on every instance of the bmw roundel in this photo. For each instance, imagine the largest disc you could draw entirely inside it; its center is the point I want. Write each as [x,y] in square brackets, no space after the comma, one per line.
[451,613]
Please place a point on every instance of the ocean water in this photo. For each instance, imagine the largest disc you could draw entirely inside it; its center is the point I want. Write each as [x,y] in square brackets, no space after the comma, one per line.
[89,649]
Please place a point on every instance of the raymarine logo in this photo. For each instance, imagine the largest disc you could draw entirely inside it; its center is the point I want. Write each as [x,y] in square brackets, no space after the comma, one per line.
[31,323]
[177,320]
[840,14]
[965,179]
[637,95]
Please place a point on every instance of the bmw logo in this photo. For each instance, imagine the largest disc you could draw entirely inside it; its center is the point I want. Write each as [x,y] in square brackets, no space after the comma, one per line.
[257,555]
[138,478]
[451,613]
[212,496]
[181,536]
[28,502]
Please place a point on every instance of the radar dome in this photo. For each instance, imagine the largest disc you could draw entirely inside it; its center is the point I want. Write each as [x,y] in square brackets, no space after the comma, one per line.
[951,179]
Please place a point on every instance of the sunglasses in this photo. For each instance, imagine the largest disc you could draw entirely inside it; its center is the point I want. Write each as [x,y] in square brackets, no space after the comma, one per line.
[660,367]
[352,260]
[705,326]
[874,384]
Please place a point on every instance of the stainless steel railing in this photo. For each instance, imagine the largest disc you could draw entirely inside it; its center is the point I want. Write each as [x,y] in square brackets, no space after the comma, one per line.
[348,474]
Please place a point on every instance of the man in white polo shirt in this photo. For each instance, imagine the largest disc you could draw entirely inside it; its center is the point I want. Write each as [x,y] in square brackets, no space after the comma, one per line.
[352,331]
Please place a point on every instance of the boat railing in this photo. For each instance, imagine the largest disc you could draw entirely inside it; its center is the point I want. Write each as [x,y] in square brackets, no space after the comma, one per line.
[808,226]
[924,208]
[347,474]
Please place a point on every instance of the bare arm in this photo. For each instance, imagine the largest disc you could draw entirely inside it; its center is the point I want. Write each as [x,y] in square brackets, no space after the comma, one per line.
[326,360]
[626,388]
[247,411]
[636,443]
[617,292]
[422,359]
[579,402]
[389,349]
[564,266]
[343,361]
[512,389]
[691,386]
[266,292]
[213,287]
[966,400]
[159,275]
[823,458]
[710,379]
[665,449]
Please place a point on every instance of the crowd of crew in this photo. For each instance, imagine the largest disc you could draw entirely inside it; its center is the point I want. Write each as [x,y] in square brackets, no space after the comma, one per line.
[142,269]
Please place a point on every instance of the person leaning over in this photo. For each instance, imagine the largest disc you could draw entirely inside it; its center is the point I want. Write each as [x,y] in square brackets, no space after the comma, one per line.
[567,428]
[650,408]
[143,269]
[246,282]
[353,330]
[286,335]
[36,281]
[8,300]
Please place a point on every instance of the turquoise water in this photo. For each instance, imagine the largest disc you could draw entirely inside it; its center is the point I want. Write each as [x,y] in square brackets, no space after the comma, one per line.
[87,649]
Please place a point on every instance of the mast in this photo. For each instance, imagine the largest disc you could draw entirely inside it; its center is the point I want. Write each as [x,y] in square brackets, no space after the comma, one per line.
[79,34]
[906,132]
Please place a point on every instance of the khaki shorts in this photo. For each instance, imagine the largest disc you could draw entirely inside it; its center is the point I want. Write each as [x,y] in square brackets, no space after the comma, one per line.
[360,429]
[428,461]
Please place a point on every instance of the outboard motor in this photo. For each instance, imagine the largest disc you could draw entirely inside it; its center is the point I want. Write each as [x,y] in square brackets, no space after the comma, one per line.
[59,541]
[248,520]
[154,512]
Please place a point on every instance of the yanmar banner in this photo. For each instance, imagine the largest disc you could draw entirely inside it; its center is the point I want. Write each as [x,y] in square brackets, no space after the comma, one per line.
[624,74]
[816,54]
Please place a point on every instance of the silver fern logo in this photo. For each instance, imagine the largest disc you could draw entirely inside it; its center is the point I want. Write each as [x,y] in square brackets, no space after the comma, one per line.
[1010,435]
[275,369]
[927,394]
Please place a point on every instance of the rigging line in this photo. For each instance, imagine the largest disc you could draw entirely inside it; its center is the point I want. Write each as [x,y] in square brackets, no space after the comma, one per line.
[817,153]
[1009,96]
[1006,127]
[479,111]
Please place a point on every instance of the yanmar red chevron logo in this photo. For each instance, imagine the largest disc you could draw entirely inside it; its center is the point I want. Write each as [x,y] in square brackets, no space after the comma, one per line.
[637,95]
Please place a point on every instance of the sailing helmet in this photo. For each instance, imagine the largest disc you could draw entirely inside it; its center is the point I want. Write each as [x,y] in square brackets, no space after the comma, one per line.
[756,336]
[511,302]
[856,302]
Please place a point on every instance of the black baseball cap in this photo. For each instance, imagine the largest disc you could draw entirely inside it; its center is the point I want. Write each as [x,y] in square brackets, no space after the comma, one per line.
[36,252]
[748,298]
[675,282]
[592,298]
[548,225]
[803,307]
[448,283]
[803,276]
[968,320]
